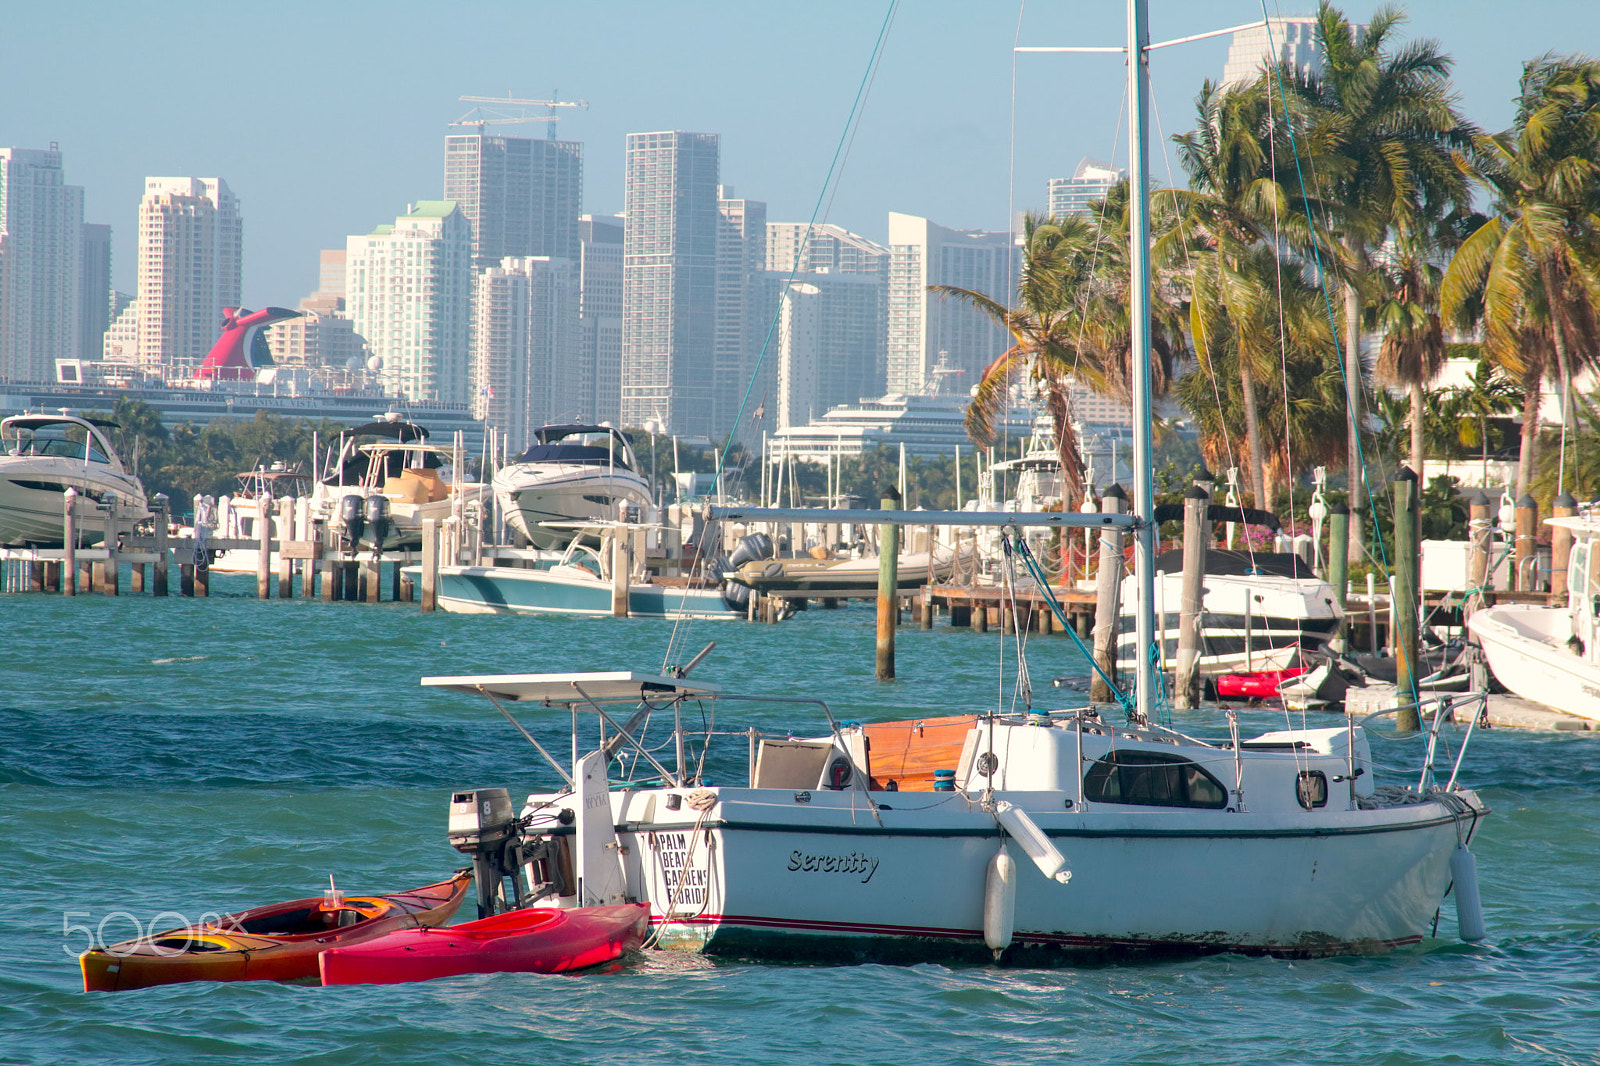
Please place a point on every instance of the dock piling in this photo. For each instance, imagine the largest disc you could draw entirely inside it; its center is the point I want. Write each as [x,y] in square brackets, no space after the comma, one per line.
[159,568]
[888,585]
[1107,585]
[1403,613]
[1563,506]
[430,565]
[1196,535]
[69,542]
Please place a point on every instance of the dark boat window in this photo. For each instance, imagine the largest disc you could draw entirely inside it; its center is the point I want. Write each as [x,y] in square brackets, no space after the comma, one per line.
[1152,778]
[583,454]
[1311,789]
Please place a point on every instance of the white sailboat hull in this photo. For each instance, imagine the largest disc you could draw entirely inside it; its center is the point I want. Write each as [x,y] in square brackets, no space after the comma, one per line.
[1529,653]
[780,878]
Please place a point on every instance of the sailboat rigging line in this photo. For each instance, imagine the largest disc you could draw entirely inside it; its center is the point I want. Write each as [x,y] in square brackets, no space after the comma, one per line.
[666,774]
[1327,301]
[845,136]
[1055,607]
[1283,339]
[1024,684]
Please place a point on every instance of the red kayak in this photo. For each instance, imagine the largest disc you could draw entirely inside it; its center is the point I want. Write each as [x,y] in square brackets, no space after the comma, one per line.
[1261,685]
[532,940]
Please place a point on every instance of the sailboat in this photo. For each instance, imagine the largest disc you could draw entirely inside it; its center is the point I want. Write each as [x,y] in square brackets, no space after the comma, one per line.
[983,833]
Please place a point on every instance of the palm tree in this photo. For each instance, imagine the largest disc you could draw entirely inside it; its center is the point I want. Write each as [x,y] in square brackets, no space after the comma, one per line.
[1231,224]
[1069,325]
[1535,264]
[1407,315]
[1397,135]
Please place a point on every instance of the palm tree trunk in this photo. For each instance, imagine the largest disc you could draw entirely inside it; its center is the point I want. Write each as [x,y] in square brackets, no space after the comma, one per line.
[1530,436]
[1252,433]
[1417,415]
[1353,397]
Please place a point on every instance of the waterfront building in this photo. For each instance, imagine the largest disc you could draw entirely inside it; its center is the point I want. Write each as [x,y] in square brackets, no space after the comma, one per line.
[41,233]
[669,282]
[829,248]
[521,196]
[600,317]
[1089,182]
[409,295]
[1290,39]
[526,346]
[190,262]
[922,326]
[317,338]
[120,345]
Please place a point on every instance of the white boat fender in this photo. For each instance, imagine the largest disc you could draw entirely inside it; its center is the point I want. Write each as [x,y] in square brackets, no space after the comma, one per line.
[1469,906]
[1000,901]
[1025,832]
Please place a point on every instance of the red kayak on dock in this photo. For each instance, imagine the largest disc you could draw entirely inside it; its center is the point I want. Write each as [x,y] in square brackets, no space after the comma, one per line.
[532,940]
[1260,685]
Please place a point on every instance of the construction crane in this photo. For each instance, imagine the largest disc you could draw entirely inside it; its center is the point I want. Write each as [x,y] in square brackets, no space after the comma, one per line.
[509,110]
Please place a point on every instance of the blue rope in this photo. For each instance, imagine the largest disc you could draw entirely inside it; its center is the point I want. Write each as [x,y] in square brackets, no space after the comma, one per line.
[844,136]
[1121,697]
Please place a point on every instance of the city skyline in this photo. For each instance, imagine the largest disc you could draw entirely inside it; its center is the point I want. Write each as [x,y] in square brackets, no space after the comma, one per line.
[362,135]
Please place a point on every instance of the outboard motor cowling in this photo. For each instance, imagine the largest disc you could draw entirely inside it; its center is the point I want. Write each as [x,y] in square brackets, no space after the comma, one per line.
[734,595]
[754,546]
[351,520]
[378,520]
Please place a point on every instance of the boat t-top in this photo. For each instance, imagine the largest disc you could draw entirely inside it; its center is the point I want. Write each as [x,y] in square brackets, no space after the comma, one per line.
[387,479]
[41,456]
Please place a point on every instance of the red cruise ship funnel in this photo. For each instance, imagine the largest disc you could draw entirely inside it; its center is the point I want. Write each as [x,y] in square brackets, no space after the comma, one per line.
[242,348]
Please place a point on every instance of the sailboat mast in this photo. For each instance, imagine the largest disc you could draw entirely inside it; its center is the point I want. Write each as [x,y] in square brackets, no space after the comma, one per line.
[1139,352]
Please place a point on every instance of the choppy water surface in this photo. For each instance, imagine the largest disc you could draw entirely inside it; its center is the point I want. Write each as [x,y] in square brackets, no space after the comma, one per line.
[191,756]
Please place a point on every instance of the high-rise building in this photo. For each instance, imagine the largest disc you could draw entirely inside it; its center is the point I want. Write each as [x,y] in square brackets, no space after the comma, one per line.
[799,354]
[521,196]
[94,291]
[741,326]
[600,316]
[828,248]
[1293,40]
[323,335]
[669,282]
[190,261]
[851,276]
[41,222]
[526,340]
[1089,182]
[922,324]
[832,353]
[408,291]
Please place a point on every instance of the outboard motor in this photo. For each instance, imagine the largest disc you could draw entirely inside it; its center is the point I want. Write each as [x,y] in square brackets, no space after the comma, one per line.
[378,520]
[484,825]
[350,518]
[755,546]
[735,595]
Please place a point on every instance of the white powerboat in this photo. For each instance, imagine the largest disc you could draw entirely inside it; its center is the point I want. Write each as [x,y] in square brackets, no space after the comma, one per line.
[571,473]
[1551,655]
[580,581]
[386,479]
[1259,611]
[41,456]
[238,514]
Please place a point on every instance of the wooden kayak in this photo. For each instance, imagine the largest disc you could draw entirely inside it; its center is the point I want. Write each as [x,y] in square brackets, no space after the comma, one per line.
[532,940]
[278,942]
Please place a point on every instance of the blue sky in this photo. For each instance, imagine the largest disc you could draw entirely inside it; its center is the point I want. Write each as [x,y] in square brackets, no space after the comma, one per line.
[328,118]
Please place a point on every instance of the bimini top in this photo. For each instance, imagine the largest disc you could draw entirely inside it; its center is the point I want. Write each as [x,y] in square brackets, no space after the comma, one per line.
[550,434]
[41,421]
[404,432]
[611,686]
[1224,563]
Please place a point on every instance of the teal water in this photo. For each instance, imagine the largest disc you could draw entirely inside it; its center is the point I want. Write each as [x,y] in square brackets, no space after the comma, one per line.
[192,756]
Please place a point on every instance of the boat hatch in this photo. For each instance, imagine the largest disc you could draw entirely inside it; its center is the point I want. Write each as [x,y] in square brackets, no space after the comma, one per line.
[609,686]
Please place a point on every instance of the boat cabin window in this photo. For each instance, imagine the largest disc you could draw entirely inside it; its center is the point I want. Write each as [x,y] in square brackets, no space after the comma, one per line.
[58,447]
[1154,779]
[582,454]
[1311,789]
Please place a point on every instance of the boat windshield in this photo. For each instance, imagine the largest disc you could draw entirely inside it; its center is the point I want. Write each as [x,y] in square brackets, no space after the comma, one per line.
[57,447]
